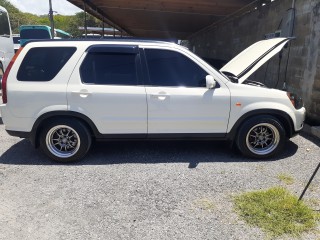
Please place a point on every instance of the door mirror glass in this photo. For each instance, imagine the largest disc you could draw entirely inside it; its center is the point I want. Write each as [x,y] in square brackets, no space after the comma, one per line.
[210,82]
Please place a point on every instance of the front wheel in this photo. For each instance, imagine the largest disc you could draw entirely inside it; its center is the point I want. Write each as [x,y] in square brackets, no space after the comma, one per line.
[261,137]
[65,140]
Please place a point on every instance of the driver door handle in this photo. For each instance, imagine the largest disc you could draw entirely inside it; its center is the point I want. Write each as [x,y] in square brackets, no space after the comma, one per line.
[160,96]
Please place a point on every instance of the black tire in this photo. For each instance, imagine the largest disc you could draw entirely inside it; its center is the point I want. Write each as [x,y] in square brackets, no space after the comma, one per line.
[65,140]
[261,137]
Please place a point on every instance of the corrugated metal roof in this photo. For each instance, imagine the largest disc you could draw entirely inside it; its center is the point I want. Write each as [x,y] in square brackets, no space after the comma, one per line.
[161,18]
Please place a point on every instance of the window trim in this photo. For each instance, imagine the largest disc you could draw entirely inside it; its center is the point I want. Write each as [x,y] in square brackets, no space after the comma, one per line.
[113,48]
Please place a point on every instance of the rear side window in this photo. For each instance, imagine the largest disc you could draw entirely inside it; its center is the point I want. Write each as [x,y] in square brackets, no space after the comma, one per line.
[42,64]
[110,68]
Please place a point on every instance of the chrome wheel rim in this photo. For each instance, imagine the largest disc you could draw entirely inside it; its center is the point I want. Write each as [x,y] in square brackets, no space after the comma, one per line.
[63,141]
[262,138]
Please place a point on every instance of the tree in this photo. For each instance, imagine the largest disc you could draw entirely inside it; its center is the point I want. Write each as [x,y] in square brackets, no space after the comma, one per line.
[69,24]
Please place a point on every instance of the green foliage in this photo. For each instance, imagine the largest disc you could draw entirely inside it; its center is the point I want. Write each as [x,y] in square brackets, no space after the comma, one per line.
[276,211]
[69,24]
[205,204]
[286,178]
[73,22]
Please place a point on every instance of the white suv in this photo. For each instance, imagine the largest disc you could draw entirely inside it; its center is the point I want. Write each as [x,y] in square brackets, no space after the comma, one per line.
[63,94]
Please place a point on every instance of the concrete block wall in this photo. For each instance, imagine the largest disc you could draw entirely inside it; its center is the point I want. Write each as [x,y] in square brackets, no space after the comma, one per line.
[299,69]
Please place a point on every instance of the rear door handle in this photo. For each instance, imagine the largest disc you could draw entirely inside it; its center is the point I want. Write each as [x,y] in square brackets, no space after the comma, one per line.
[82,93]
[161,96]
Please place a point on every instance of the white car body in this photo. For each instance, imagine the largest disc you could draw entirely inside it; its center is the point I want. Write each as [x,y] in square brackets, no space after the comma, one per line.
[146,111]
[16,41]
[6,42]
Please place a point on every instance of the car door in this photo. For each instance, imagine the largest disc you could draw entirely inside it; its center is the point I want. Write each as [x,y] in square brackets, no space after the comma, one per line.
[107,88]
[178,100]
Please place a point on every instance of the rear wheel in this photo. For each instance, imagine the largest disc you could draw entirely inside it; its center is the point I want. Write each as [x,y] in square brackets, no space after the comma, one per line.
[261,137]
[65,140]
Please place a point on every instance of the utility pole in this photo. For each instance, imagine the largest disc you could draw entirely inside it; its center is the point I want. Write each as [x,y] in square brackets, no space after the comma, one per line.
[51,19]
[85,19]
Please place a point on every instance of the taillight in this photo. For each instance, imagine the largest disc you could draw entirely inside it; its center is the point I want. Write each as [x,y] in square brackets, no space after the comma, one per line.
[295,100]
[5,76]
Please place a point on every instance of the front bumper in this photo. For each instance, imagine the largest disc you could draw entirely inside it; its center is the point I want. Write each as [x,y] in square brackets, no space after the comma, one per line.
[300,116]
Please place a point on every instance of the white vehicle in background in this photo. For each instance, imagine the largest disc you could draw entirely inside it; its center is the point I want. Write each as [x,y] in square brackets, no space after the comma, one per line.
[6,41]
[16,42]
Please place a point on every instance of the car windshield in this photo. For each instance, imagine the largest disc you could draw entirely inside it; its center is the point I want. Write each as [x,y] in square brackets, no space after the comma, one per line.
[34,34]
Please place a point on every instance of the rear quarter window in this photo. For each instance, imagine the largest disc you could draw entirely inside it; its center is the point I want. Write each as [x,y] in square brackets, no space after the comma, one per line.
[42,64]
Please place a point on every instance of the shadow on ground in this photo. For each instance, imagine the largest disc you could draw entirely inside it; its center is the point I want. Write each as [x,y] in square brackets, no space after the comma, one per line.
[144,152]
[311,138]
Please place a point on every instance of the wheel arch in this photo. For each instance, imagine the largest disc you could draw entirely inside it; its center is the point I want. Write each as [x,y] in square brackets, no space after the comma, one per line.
[283,117]
[43,119]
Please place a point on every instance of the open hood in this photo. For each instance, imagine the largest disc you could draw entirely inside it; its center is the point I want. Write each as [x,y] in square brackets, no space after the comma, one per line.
[253,57]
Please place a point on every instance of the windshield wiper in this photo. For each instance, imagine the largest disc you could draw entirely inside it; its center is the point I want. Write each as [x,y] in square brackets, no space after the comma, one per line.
[231,77]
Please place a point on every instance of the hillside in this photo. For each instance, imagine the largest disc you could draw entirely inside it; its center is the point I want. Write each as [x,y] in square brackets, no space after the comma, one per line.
[69,24]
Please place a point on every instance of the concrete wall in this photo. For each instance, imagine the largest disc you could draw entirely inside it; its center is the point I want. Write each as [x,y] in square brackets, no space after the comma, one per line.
[299,73]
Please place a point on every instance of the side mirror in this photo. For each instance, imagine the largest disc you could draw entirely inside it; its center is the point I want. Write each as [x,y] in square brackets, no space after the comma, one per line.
[210,82]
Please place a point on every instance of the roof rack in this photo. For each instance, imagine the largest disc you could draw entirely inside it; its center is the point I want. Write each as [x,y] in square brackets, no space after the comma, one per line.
[105,39]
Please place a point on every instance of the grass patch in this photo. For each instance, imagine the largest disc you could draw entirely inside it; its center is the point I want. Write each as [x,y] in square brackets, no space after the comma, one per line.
[313,187]
[276,212]
[286,178]
[205,204]
[314,203]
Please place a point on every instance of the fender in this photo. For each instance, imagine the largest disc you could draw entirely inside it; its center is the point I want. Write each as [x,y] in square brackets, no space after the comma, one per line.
[37,125]
[283,117]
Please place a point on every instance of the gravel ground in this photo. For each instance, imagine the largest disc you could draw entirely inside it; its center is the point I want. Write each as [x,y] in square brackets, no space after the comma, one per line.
[143,190]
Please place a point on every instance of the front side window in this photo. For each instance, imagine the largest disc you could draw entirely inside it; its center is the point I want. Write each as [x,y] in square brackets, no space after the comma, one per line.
[42,64]
[109,68]
[170,68]
[4,24]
